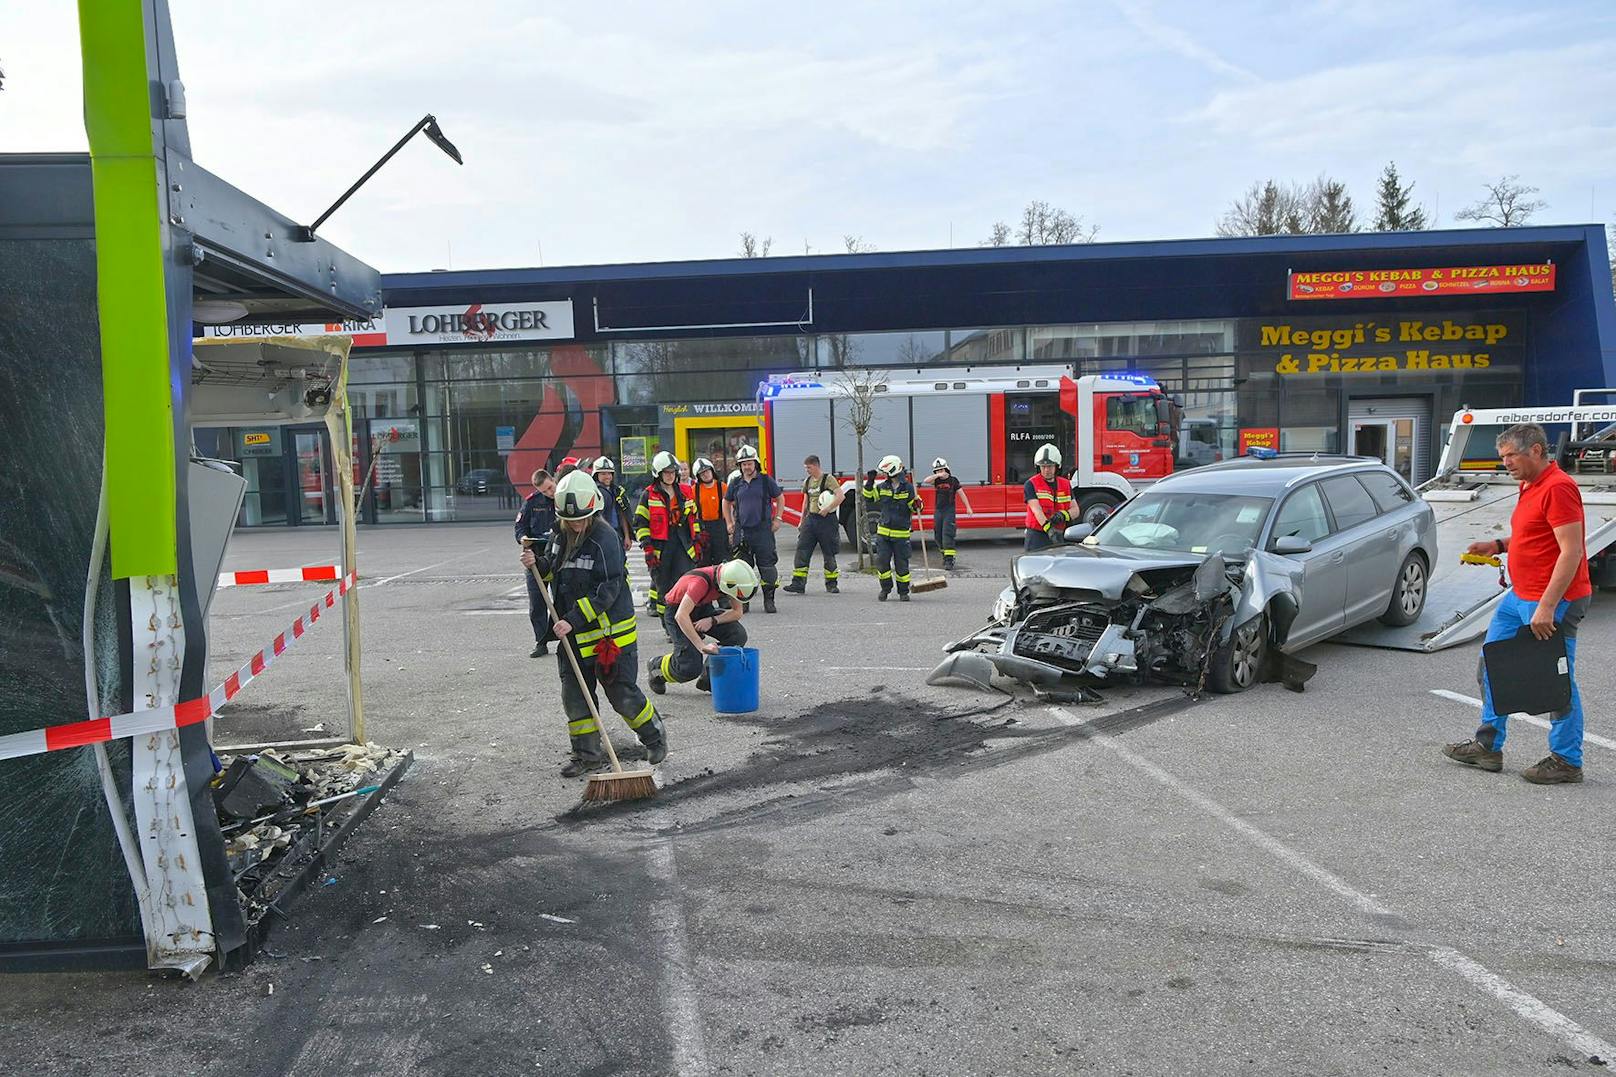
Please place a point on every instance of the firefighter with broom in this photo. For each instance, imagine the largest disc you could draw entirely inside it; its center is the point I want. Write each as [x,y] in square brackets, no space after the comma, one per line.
[699,626]
[583,565]
[893,497]
[665,524]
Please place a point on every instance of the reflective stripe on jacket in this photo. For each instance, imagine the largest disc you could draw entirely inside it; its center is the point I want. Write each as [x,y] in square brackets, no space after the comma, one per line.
[896,501]
[590,588]
[1051,499]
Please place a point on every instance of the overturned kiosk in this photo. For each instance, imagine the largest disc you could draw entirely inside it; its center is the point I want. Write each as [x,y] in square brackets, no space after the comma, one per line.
[117,845]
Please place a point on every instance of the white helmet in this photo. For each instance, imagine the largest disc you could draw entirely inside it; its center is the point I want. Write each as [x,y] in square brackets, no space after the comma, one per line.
[664,461]
[605,464]
[577,497]
[738,580]
[827,498]
[939,464]
[890,466]
[733,475]
[745,452]
[703,464]
[1047,454]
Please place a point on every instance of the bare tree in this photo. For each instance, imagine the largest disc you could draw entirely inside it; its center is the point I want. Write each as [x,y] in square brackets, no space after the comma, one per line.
[753,247]
[1042,224]
[1394,209]
[1269,208]
[1507,204]
[1329,207]
[857,244]
[857,388]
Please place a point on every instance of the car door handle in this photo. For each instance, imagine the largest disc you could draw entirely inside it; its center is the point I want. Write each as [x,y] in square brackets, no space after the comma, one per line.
[1338,557]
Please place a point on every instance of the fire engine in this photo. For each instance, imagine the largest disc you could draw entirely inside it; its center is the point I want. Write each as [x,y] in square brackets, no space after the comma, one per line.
[1112,430]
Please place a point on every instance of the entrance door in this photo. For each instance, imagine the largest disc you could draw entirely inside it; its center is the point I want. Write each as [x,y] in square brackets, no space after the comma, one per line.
[316,491]
[1395,431]
[718,440]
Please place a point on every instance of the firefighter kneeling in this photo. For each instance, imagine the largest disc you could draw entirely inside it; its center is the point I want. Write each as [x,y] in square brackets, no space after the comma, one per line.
[693,614]
[583,563]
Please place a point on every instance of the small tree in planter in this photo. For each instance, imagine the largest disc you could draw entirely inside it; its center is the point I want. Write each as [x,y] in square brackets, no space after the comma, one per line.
[856,390]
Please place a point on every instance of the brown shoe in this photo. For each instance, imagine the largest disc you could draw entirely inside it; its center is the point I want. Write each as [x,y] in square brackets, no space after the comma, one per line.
[1472,753]
[1552,770]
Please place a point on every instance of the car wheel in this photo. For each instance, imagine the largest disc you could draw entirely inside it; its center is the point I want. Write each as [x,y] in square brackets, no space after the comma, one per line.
[1092,509]
[1408,593]
[1238,664]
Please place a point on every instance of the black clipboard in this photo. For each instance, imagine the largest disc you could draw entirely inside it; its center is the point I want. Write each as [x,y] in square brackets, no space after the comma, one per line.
[1527,675]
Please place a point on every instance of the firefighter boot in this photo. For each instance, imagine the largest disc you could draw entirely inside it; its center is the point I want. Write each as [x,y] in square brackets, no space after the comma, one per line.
[704,683]
[797,586]
[654,678]
[948,560]
[586,754]
[654,736]
[831,588]
[768,600]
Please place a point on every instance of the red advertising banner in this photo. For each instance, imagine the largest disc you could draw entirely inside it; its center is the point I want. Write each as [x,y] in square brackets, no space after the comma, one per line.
[1258,437]
[1403,283]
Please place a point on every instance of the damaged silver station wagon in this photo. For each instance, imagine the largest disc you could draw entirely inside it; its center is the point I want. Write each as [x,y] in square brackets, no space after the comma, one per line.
[1214,578]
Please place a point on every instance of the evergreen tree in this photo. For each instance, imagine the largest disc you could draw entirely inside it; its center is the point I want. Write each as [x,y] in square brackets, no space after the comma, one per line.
[1394,204]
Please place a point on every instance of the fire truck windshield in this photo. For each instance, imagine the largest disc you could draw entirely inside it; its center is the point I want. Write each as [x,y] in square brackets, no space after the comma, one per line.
[1127,414]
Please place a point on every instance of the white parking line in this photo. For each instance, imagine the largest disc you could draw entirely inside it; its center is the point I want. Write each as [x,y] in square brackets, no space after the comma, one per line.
[424,568]
[1457,697]
[1531,1008]
[678,977]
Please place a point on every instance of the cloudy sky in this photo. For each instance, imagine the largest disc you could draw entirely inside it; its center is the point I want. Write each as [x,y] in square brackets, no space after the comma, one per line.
[629,131]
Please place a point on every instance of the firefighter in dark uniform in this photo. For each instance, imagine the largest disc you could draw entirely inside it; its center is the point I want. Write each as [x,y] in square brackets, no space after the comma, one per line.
[698,626]
[821,498]
[588,580]
[893,498]
[708,496]
[944,521]
[665,524]
[535,522]
[615,511]
[753,502]
[1049,501]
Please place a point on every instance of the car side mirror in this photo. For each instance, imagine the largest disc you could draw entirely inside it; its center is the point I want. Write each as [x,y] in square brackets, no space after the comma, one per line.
[1078,532]
[1291,544]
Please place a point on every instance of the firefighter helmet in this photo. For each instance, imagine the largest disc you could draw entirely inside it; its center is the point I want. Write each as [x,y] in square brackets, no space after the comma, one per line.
[939,464]
[733,475]
[577,497]
[1047,454]
[890,466]
[664,461]
[744,453]
[738,579]
[827,498]
[703,464]
[605,464]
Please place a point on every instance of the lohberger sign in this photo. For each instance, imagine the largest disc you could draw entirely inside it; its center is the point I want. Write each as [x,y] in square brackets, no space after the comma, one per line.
[1404,344]
[366,334]
[1449,280]
[479,323]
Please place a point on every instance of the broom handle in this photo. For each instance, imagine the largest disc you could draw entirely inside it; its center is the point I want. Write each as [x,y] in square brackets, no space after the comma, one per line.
[583,685]
[925,558]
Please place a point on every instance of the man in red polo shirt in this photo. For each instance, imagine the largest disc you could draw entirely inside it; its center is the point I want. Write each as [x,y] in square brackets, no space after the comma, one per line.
[1549,592]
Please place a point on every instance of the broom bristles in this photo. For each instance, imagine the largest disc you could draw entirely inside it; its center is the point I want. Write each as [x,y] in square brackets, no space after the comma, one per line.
[929,585]
[620,785]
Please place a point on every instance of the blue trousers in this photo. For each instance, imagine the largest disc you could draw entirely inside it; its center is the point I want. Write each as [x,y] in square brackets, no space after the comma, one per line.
[1565,731]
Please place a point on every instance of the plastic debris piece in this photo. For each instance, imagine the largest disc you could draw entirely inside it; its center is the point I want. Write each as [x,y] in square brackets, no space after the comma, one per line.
[431,927]
[489,969]
[378,919]
[555,919]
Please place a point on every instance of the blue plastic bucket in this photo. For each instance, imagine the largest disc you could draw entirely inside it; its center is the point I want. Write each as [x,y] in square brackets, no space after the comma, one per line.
[734,674]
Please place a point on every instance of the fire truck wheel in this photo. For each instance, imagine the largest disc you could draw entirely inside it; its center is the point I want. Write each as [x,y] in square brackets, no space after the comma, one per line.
[1093,508]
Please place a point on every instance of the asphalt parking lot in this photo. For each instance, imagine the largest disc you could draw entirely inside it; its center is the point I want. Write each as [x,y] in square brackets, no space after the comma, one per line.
[873,876]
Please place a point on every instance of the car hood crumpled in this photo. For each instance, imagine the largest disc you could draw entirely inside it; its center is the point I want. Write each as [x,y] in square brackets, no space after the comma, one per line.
[1096,568]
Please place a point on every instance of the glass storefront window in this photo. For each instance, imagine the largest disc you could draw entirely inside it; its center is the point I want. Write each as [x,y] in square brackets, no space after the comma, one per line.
[1052,343]
[702,370]
[919,347]
[968,347]
[366,367]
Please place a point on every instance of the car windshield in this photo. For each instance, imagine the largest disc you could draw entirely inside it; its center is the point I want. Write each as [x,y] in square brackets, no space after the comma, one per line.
[1186,522]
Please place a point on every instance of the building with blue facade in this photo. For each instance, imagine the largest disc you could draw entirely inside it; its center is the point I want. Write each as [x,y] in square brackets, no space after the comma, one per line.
[475,378]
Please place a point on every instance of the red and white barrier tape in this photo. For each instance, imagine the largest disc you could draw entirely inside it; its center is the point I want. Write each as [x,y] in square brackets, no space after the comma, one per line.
[139,723]
[280,575]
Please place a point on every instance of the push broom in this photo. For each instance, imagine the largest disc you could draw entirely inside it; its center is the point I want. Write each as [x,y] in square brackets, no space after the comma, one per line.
[930,582]
[619,784]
